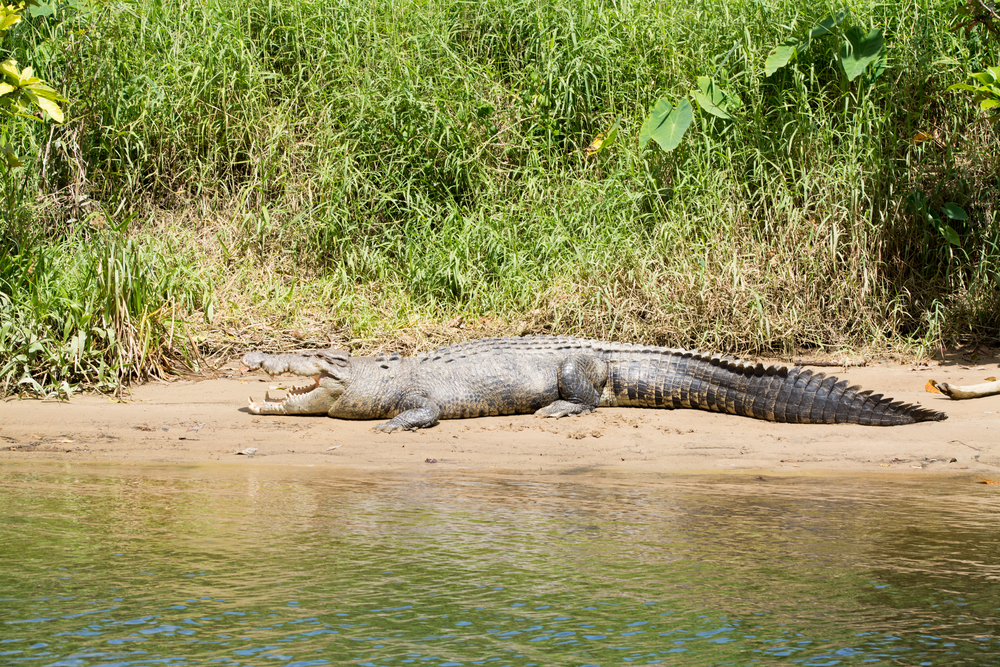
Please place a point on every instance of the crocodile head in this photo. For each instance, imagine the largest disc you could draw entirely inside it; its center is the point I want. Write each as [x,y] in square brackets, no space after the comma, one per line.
[330,370]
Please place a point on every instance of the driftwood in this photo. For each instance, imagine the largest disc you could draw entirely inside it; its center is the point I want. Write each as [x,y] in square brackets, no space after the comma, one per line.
[969,391]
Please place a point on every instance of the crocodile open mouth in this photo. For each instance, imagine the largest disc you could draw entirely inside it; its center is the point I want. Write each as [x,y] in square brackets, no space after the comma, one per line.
[291,391]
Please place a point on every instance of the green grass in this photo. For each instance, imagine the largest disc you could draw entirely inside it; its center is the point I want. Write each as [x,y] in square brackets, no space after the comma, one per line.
[372,169]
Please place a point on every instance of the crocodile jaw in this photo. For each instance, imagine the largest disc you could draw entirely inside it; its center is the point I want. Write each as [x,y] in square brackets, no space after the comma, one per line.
[314,399]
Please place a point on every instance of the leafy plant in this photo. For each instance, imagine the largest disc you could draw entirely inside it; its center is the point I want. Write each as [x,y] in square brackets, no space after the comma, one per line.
[666,124]
[917,203]
[714,99]
[857,52]
[20,90]
[987,93]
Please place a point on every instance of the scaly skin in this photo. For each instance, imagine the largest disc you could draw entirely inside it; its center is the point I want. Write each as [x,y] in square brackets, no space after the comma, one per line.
[559,376]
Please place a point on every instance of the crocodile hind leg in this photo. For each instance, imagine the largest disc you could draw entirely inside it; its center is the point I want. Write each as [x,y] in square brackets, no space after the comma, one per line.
[581,380]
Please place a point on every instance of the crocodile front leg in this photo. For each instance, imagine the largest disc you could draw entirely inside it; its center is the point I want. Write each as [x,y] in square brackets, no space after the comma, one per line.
[420,412]
[581,380]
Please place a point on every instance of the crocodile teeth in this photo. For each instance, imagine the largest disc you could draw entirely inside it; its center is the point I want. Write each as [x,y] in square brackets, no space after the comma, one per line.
[306,388]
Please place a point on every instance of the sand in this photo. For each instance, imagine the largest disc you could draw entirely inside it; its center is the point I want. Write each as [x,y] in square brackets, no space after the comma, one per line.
[206,420]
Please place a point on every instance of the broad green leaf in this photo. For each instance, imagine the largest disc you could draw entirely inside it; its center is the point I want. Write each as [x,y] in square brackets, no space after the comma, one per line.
[954,211]
[963,86]
[985,78]
[28,77]
[711,98]
[43,10]
[989,103]
[860,50]
[666,124]
[43,90]
[662,107]
[9,68]
[45,104]
[7,21]
[825,27]
[6,88]
[780,56]
[950,235]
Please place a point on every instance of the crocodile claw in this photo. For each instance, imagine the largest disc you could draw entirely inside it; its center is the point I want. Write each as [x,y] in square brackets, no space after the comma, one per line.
[562,408]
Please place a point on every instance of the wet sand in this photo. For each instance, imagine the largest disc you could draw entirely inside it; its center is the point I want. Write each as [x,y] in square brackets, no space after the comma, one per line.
[200,421]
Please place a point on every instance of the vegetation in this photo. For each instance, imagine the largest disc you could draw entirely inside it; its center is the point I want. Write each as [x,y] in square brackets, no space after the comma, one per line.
[371,170]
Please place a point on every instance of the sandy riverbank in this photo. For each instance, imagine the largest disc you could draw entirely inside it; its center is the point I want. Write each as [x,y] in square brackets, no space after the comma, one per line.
[193,421]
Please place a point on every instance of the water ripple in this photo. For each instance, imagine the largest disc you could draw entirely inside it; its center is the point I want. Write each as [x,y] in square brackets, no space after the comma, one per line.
[180,567]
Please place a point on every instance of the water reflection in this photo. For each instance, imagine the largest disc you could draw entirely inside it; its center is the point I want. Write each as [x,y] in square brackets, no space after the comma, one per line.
[182,566]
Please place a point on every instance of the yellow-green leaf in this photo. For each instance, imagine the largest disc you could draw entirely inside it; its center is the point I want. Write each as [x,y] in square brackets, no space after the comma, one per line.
[45,104]
[43,90]
[7,21]
[27,77]
[6,88]
[9,68]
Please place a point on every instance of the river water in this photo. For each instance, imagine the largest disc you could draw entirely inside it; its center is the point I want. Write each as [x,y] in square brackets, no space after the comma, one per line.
[298,566]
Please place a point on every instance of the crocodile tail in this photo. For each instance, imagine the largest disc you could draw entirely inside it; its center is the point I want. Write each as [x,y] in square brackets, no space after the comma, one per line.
[656,377]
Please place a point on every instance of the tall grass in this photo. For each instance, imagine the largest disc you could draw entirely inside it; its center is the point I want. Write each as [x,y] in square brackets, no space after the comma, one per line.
[93,309]
[369,166]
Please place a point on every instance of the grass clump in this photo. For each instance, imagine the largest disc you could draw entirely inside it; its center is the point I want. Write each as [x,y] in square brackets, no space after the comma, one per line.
[92,308]
[374,169]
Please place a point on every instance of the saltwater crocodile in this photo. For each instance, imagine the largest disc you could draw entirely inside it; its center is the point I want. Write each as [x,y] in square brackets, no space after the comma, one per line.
[559,376]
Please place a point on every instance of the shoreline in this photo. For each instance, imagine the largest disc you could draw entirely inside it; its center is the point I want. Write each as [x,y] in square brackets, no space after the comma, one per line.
[206,421]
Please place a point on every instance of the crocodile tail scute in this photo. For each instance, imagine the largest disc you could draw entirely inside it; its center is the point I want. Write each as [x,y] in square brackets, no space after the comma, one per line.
[815,398]
[651,377]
